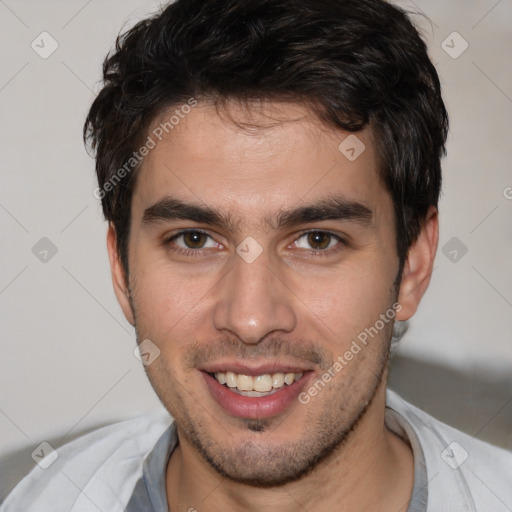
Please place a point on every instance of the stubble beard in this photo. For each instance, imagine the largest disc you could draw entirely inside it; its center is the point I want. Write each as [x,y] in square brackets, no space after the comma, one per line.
[279,465]
[254,464]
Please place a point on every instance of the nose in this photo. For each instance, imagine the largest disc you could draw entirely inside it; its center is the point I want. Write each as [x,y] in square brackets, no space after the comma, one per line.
[254,301]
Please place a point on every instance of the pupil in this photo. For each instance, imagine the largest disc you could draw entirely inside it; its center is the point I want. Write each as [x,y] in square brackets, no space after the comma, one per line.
[319,240]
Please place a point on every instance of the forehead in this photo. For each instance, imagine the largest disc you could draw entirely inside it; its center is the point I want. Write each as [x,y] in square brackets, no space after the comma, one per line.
[256,160]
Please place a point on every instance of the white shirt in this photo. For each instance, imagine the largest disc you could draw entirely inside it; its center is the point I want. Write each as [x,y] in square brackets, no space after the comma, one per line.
[121,468]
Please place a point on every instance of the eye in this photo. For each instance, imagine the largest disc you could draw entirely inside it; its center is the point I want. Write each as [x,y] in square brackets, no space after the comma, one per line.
[321,241]
[192,239]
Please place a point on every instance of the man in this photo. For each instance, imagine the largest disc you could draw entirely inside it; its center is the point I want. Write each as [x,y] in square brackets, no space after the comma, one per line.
[270,171]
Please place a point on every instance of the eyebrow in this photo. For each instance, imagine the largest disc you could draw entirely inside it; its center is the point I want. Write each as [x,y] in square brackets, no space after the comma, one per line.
[330,208]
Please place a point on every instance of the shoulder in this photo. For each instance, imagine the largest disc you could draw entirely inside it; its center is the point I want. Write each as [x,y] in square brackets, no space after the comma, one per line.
[461,469]
[99,469]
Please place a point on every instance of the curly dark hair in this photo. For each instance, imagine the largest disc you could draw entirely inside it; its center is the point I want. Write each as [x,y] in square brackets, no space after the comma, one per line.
[353,63]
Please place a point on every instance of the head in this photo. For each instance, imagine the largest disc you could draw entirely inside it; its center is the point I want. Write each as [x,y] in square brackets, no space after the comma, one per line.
[298,144]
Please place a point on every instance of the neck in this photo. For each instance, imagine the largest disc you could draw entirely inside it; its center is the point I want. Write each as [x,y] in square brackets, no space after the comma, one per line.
[371,470]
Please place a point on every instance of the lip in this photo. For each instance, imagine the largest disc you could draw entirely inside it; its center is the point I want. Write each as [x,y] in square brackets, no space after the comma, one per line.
[249,407]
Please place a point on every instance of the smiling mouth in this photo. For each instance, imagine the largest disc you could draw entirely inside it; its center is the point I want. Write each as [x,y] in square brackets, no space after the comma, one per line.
[255,386]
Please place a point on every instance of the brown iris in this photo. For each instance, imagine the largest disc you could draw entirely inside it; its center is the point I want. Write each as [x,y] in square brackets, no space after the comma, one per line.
[194,239]
[319,240]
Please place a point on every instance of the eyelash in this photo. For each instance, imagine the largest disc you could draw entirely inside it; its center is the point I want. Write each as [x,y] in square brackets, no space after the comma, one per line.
[198,252]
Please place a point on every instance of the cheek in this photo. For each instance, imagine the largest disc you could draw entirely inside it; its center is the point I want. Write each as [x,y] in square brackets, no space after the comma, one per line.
[348,300]
[165,300]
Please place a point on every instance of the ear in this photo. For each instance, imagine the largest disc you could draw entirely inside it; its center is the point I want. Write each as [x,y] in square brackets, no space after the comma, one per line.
[418,266]
[118,276]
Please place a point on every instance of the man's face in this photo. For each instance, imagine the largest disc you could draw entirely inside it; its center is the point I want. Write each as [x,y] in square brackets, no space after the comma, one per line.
[299,262]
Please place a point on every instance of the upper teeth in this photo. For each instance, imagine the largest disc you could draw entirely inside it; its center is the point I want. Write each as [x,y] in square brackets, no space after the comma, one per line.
[262,383]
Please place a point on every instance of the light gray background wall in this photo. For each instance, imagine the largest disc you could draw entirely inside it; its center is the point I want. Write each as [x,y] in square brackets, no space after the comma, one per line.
[67,353]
